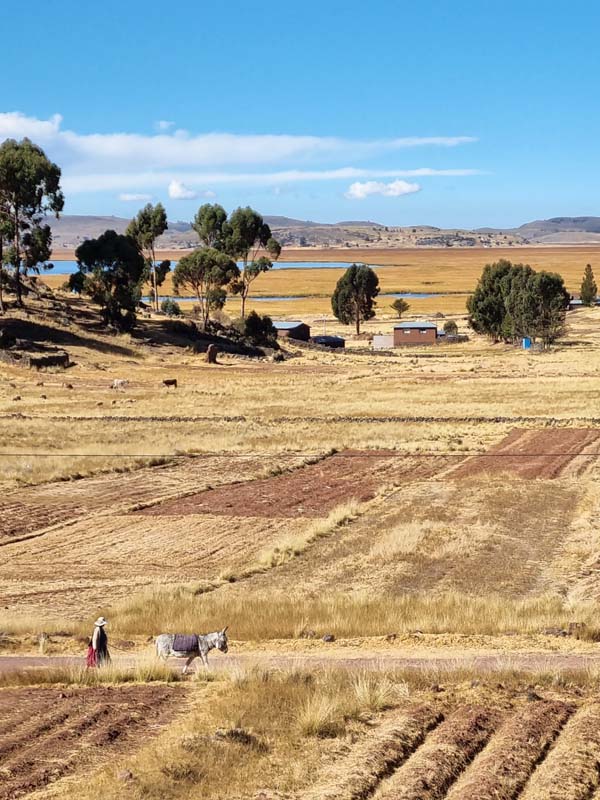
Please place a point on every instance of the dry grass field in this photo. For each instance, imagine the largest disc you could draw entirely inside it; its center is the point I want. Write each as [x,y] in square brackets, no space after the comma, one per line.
[415,503]
[451,272]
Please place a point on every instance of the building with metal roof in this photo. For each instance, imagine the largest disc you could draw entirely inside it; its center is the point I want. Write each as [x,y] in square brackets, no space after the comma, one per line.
[292,329]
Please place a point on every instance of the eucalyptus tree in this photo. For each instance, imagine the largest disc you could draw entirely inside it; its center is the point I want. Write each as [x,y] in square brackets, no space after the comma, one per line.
[145,228]
[245,234]
[112,270]
[208,224]
[29,189]
[206,272]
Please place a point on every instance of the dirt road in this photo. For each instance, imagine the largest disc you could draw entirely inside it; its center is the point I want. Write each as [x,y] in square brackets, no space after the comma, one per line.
[478,662]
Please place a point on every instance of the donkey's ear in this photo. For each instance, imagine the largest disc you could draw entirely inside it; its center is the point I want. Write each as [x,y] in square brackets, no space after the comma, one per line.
[225,628]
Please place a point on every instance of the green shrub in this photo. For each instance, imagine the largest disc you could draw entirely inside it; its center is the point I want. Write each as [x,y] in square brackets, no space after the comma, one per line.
[171,308]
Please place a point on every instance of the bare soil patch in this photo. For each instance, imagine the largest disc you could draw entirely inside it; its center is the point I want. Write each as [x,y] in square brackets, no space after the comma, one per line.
[311,491]
[28,510]
[47,733]
[530,454]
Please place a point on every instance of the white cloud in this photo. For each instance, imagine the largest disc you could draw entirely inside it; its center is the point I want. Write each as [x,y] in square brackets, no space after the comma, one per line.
[99,151]
[128,197]
[360,191]
[154,180]
[208,194]
[179,191]
[176,158]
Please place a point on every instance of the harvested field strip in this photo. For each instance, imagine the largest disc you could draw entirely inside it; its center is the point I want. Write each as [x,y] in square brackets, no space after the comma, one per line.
[311,491]
[358,774]
[536,454]
[28,511]
[69,727]
[433,768]
[562,422]
[572,769]
[503,768]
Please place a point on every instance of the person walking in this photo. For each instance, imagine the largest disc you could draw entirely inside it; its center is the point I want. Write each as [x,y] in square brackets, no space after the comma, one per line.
[98,650]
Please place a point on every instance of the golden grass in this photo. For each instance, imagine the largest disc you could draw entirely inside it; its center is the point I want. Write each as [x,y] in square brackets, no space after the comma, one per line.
[292,545]
[238,736]
[144,670]
[285,616]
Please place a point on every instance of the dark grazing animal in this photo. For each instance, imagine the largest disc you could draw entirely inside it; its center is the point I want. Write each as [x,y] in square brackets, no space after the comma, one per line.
[168,382]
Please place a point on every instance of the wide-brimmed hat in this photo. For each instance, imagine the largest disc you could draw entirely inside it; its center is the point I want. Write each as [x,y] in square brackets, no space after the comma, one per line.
[100,621]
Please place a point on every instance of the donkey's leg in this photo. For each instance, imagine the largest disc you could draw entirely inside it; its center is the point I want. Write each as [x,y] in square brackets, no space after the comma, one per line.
[204,657]
[187,664]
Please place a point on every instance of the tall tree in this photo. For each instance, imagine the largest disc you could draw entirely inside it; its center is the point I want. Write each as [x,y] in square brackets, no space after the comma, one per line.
[512,301]
[552,302]
[5,236]
[486,306]
[244,234]
[145,228]
[400,306]
[208,224]
[205,271]
[114,270]
[353,299]
[589,290]
[29,189]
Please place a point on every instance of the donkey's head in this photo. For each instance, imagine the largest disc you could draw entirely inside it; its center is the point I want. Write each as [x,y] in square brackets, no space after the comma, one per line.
[222,640]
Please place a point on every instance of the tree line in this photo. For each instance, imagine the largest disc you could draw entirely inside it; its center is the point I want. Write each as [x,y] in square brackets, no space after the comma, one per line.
[114,268]
[511,301]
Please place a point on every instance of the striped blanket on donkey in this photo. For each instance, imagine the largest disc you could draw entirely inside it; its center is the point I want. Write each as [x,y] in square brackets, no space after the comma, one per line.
[185,642]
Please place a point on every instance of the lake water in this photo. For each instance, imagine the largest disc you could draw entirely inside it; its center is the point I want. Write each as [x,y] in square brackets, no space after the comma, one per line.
[279,298]
[68,267]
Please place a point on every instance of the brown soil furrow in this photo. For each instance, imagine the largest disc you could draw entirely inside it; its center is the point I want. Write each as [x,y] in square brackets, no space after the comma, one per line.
[97,721]
[572,769]
[311,491]
[35,726]
[433,768]
[545,453]
[504,766]
[67,730]
[357,775]
[108,733]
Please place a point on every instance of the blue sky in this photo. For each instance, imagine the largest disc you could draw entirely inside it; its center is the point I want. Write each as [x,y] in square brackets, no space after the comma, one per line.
[443,113]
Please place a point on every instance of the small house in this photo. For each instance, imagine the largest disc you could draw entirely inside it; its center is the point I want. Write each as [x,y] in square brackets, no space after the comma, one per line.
[292,330]
[415,333]
[335,342]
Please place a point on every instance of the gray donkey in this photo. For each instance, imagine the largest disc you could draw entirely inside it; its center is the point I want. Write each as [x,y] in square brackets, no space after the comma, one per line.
[190,646]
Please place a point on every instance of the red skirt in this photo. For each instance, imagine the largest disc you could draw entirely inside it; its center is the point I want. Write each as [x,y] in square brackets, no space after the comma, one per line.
[91,657]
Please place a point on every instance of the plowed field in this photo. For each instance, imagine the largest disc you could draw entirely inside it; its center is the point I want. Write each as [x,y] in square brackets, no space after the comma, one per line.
[25,511]
[530,454]
[47,733]
[311,491]
[535,750]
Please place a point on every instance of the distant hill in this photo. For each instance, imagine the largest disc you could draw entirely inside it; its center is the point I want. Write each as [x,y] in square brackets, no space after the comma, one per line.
[556,230]
[70,230]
